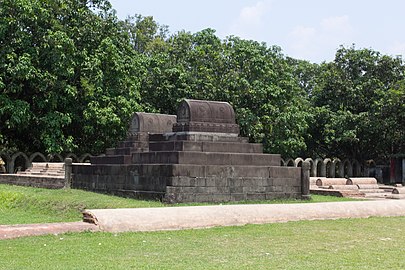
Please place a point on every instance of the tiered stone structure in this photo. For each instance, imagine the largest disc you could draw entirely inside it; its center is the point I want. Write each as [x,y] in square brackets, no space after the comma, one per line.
[199,158]
[40,174]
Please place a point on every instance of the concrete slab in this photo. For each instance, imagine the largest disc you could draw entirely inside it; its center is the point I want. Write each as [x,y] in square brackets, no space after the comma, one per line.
[176,218]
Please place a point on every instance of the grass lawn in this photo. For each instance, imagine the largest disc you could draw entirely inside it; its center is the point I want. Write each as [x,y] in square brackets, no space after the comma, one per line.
[373,243]
[22,205]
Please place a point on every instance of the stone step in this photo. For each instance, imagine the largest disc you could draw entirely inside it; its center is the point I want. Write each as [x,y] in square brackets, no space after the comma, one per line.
[372,191]
[133,144]
[206,158]
[190,170]
[229,147]
[197,136]
[127,151]
[116,159]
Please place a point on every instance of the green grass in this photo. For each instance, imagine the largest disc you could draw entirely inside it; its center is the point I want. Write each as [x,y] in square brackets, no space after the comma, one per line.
[21,205]
[373,243]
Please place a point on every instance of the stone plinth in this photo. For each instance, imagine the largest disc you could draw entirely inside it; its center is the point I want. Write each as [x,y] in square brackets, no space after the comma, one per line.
[202,159]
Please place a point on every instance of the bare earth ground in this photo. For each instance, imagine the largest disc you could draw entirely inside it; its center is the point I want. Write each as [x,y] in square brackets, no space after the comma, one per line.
[14,231]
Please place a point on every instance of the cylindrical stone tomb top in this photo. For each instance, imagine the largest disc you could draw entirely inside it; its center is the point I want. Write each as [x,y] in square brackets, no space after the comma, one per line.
[151,123]
[206,116]
[191,110]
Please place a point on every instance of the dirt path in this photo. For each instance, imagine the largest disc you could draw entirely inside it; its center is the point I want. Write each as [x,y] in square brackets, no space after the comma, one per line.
[14,231]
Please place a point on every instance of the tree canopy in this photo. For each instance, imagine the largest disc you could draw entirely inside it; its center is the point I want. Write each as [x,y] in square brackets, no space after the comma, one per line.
[72,73]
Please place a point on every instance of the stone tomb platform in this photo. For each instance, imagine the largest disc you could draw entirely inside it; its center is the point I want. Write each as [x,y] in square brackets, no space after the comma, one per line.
[200,159]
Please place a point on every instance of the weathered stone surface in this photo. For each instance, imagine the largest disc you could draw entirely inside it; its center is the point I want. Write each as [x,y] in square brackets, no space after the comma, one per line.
[206,116]
[41,181]
[361,180]
[313,180]
[344,187]
[368,186]
[205,164]
[201,146]
[398,190]
[331,181]
[151,123]
[209,158]
[175,218]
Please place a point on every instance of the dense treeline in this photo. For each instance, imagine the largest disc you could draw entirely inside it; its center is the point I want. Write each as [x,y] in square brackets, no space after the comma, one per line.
[72,73]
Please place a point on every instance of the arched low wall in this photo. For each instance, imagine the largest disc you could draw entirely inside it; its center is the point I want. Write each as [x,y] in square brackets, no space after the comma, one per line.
[335,167]
[27,159]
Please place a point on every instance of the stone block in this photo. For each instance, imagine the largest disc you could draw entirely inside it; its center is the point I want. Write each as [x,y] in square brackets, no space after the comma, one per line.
[251,171]
[231,147]
[220,197]
[217,170]
[236,189]
[203,197]
[187,170]
[254,189]
[237,197]
[184,190]
[200,182]
[255,196]
[235,182]
[255,182]
[217,189]
[285,172]
[179,181]
[286,182]
[278,188]
[216,182]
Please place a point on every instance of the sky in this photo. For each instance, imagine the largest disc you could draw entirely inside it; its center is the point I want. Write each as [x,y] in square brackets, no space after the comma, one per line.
[308,29]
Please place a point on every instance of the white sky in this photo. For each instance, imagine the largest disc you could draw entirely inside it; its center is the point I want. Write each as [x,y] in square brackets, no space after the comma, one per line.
[306,29]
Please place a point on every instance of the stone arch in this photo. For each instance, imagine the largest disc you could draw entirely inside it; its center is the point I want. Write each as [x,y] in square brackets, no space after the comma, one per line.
[312,169]
[369,168]
[289,162]
[325,169]
[318,167]
[356,167]
[14,161]
[37,155]
[298,162]
[73,157]
[85,158]
[55,158]
[336,168]
[282,162]
[380,161]
[347,168]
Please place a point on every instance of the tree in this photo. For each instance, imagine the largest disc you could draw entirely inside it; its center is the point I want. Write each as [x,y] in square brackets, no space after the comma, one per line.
[256,79]
[350,98]
[68,75]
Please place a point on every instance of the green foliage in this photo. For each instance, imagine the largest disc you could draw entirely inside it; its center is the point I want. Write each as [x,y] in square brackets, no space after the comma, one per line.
[69,76]
[254,78]
[36,205]
[357,106]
